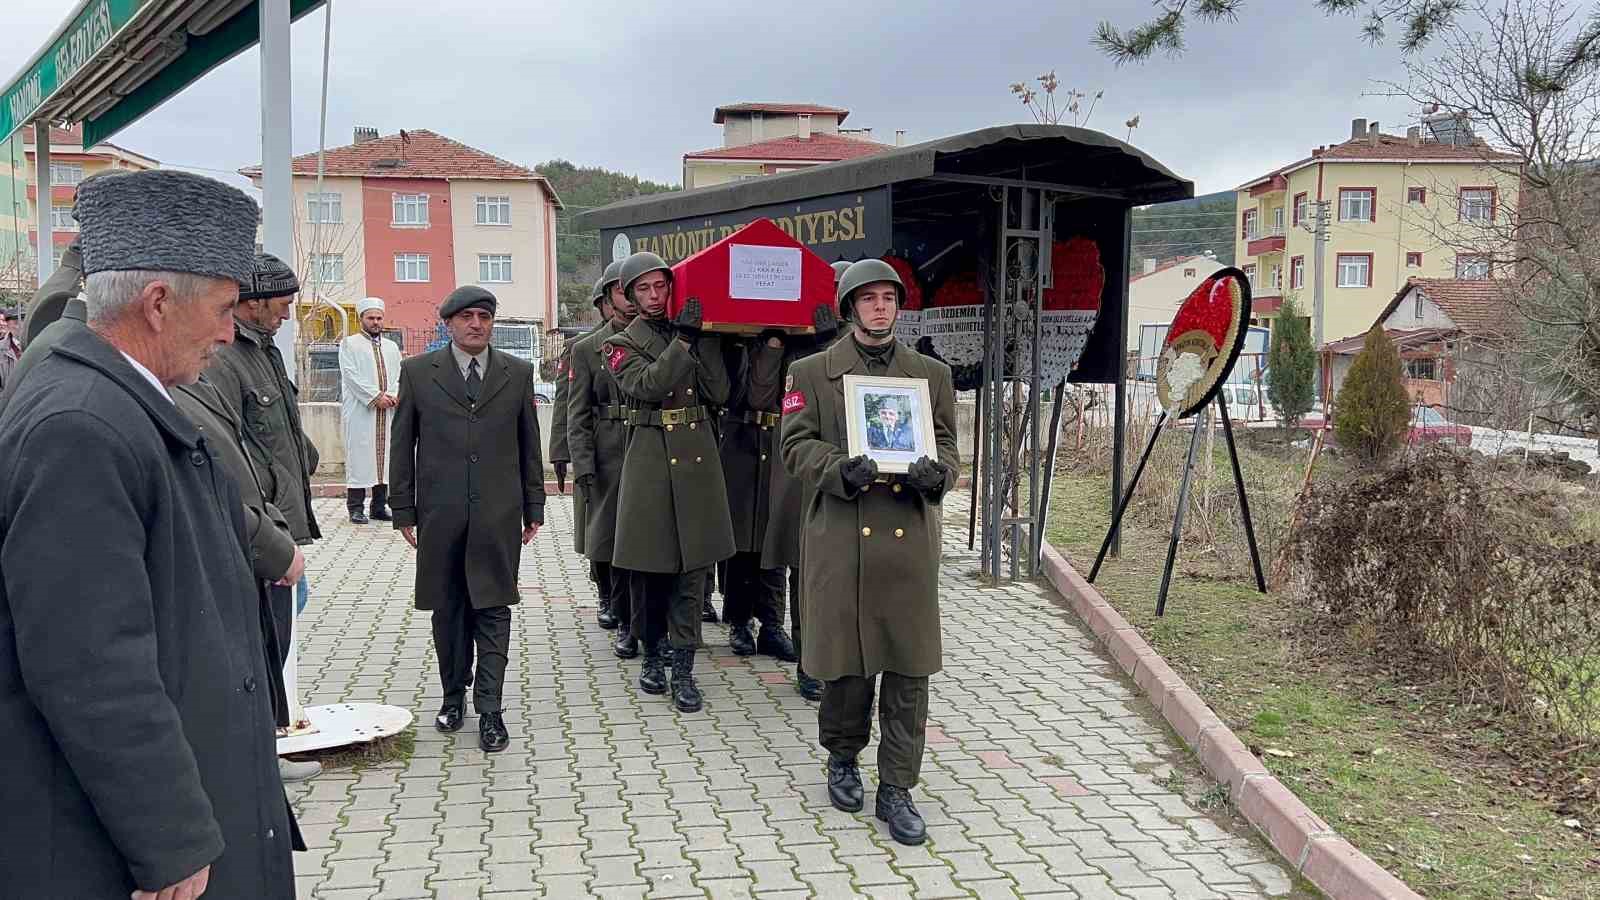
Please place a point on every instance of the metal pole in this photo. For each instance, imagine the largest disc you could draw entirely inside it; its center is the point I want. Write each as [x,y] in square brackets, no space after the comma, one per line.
[277,192]
[1049,472]
[993,532]
[1119,428]
[45,263]
[1177,520]
[1319,252]
[1035,514]
[1119,504]
[1238,482]
[977,461]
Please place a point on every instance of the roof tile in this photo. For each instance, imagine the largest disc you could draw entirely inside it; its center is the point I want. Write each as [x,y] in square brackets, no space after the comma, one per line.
[820,147]
[782,109]
[1479,307]
[420,154]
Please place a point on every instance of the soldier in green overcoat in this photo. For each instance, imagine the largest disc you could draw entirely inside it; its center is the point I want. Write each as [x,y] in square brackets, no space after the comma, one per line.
[672,512]
[870,572]
[561,443]
[597,435]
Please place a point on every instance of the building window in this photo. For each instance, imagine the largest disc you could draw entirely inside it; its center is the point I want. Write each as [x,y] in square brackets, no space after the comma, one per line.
[1277,221]
[1413,260]
[1297,272]
[1473,267]
[1302,210]
[1416,309]
[411,267]
[1416,195]
[494,210]
[327,268]
[66,173]
[1477,204]
[411,209]
[1275,279]
[1189,273]
[61,218]
[1249,227]
[325,209]
[1355,270]
[1250,275]
[1358,204]
[1422,369]
[494,267]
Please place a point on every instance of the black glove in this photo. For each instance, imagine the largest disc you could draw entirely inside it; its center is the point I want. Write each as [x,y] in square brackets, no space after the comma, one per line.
[561,477]
[585,481]
[927,477]
[688,320]
[824,320]
[858,471]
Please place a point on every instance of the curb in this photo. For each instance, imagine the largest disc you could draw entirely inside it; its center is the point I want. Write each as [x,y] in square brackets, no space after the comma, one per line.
[1315,850]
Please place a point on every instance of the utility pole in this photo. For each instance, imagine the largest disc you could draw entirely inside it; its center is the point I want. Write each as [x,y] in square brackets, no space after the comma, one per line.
[1320,218]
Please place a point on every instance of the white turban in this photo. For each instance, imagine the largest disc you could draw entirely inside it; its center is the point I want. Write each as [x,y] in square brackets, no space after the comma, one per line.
[369,304]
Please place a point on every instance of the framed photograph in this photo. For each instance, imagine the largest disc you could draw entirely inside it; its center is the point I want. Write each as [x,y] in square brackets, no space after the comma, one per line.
[890,420]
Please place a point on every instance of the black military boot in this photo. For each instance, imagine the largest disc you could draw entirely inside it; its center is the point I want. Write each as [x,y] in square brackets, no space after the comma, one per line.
[685,694]
[652,675]
[380,503]
[352,500]
[844,784]
[708,613]
[605,617]
[775,642]
[806,686]
[626,647]
[742,642]
[896,808]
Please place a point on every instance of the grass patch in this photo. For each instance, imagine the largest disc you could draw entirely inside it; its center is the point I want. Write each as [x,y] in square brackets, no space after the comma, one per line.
[1418,783]
[396,748]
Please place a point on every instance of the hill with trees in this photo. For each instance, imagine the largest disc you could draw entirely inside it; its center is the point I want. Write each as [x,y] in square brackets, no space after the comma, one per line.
[578,252]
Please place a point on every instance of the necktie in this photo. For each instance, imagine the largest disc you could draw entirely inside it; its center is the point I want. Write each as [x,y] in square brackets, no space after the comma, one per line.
[474,380]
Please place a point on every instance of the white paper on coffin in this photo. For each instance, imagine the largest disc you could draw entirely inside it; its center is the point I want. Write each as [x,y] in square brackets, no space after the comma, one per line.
[342,724]
[763,273]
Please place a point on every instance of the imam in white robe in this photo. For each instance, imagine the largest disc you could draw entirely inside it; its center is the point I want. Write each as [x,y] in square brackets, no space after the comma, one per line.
[367,367]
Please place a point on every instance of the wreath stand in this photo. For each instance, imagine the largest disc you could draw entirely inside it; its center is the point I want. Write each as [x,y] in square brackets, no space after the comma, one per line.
[1183,501]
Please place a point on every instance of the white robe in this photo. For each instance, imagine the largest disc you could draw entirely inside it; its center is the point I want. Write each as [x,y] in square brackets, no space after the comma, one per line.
[362,376]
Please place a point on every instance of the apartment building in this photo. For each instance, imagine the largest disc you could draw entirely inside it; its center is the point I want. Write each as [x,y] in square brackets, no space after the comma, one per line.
[771,138]
[1399,207]
[411,216]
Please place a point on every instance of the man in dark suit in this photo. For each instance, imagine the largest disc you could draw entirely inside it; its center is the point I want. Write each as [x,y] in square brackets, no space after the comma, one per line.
[467,482]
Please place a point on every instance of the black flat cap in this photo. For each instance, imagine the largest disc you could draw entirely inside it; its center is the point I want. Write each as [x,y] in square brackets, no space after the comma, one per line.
[270,277]
[466,297]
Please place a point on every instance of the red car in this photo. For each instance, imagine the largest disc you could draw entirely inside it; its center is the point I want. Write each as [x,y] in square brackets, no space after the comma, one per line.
[1429,426]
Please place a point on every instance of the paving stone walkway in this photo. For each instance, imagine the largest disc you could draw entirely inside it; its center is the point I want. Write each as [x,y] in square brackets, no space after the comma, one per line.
[1045,775]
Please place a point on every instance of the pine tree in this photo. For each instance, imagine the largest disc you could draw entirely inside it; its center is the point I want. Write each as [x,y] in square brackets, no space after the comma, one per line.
[1372,412]
[1292,364]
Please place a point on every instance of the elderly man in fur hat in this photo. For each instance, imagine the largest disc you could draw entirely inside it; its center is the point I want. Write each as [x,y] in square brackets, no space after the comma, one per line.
[140,758]
[369,388]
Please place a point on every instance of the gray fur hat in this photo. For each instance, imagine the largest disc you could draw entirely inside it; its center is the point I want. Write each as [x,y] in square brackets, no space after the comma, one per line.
[269,277]
[466,297]
[166,221]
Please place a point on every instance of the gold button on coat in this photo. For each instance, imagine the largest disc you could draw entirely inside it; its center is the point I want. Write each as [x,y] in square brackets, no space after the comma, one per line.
[899,532]
[763,456]
[897,489]
[865,488]
[669,427]
[866,532]
[697,459]
[691,426]
[674,460]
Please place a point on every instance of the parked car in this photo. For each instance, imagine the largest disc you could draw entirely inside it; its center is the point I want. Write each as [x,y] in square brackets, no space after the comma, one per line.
[1429,426]
[544,393]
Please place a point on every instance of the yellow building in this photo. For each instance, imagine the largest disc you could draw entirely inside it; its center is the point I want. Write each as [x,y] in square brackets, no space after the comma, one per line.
[772,138]
[1396,207]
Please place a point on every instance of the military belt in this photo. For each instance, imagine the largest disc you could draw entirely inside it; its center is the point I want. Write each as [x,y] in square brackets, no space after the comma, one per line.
[770,420]
[613,413]
[660,417]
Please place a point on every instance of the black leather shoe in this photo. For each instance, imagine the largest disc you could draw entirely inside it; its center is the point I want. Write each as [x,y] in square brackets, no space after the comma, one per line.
[379,514]
[652,675]
[685,693]
[708,613]
[741,641]
[626,646]
[806,686]
[605,617]
[775,642]
[449,718]
[357,517]
[492,736]
[844,784]
[905,823]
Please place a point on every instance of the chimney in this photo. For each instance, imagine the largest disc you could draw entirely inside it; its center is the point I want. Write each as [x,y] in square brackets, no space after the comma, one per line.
[1372,132]
[805,126]
[866,134]
[1358,129]
[1149,266]
[899,137]
[364,134]
[1414,135]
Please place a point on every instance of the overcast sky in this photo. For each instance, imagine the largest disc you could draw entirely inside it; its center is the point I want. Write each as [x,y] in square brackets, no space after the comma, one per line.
[631,86]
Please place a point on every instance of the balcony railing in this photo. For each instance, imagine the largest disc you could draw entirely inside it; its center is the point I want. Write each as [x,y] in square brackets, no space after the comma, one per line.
[1269,240]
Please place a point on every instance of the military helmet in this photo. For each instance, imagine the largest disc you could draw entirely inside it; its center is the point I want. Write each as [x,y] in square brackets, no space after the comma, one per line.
[863,273]
[838,269]
[637,266]
[611,275]
[599,292]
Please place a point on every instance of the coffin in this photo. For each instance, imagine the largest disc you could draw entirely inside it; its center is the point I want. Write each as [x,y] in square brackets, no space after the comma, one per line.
[754,279]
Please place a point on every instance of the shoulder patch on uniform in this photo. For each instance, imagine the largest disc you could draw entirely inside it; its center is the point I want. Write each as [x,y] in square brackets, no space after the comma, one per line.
[793,402]
[788,383]
[614,355]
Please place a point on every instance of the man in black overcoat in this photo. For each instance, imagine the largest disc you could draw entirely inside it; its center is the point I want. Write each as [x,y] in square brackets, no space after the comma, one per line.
[139,749]
[466,486]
